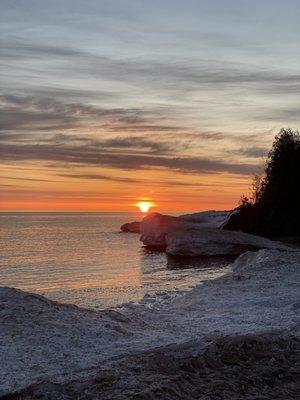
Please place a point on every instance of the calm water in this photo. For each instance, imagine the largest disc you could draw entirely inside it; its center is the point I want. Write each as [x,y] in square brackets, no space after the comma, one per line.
[83,258]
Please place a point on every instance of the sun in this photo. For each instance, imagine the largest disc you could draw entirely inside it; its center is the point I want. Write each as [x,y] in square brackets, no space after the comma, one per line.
[144,206]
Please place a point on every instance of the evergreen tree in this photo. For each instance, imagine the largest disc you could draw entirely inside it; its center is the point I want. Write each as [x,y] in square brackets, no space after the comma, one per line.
[274,209]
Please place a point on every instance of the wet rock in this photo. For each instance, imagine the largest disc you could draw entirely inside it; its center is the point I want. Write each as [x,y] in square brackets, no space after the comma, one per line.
[132,227]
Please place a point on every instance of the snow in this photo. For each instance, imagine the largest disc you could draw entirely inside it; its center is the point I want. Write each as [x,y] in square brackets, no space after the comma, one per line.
[211,219]
[43,340]
[199,241]
[154,227]
[199,235]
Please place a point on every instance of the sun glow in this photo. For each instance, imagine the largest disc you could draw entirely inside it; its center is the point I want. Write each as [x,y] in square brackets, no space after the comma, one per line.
[144,206]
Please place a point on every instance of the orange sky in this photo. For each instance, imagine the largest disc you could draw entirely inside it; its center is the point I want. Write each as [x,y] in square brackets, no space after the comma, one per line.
[106,103]
[37,188]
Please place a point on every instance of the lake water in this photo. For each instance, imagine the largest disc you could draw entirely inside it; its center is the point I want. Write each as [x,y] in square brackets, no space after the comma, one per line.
[84,259]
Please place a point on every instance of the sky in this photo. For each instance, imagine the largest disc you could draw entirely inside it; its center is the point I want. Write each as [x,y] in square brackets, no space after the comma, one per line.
[105,103]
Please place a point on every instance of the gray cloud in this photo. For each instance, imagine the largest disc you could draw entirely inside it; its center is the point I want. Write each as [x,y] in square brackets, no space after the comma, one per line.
[125,152]
[27,179]
[191,76]
[210,135]
[33,119]
[283,114]
[143,128]
[124,143]
[136,142]
[93,176]
[100,177]
[17,50]
[174,80]
[40,113]
[255,152]
[91,155]
[170,76]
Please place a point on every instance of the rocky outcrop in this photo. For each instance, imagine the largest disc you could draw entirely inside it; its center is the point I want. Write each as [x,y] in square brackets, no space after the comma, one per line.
[155,226]
[198,241]
[200,234]
[132,227]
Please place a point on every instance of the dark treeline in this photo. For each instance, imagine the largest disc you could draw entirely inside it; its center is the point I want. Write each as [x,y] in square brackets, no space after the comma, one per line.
[274,208]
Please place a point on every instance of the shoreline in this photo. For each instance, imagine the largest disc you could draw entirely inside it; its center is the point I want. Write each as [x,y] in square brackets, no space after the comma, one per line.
[44,341]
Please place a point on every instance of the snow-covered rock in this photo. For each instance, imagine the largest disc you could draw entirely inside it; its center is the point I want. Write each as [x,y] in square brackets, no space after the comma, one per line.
[132,227]
[198,241]
[42,341]
[40,337]
[155,226]
[209,219]
[265,265]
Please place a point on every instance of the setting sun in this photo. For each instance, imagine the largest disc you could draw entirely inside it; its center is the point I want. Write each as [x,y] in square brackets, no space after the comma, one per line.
[144,206]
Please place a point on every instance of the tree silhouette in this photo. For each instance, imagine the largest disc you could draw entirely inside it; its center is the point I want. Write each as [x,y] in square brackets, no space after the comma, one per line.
[274,209]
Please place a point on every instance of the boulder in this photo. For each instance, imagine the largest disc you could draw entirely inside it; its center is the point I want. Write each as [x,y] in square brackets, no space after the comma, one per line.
[199,241]
[132,227]
[155,226]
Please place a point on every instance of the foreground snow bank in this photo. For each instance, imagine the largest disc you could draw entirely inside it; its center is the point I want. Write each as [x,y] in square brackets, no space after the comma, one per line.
[198,241]
[248,367]
[39,338]
[44,341]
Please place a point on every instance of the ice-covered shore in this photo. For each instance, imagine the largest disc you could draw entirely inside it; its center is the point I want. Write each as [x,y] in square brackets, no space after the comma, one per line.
[200,234]
[48,347]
